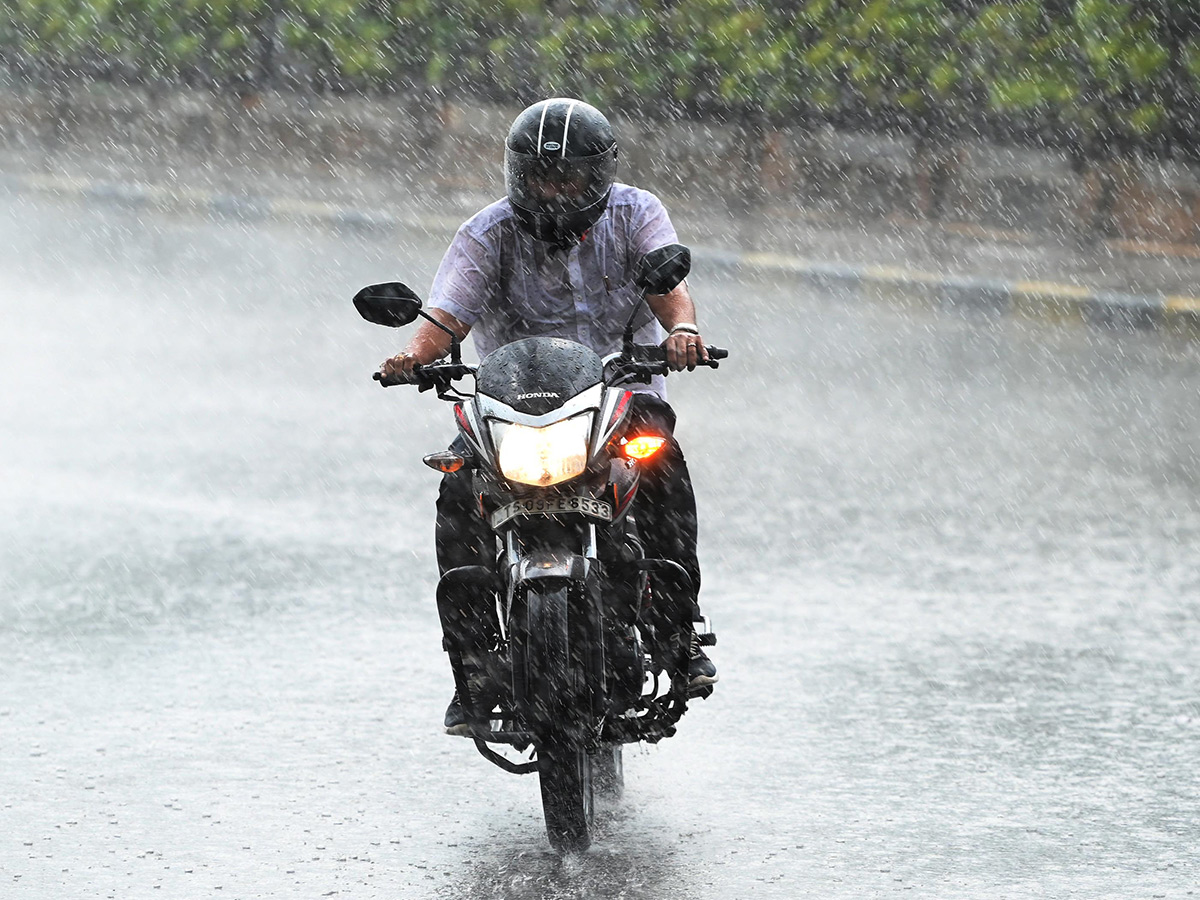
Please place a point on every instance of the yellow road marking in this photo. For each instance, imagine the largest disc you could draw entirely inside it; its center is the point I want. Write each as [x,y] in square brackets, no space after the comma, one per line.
[777,261]
[1051,289]
[1183,304]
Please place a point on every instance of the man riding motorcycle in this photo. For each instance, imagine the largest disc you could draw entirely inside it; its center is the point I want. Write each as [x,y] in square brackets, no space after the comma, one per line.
[557,258]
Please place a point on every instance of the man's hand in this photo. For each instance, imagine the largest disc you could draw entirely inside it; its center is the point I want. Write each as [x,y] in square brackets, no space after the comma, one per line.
[684,350]
[399,367]
[428,345]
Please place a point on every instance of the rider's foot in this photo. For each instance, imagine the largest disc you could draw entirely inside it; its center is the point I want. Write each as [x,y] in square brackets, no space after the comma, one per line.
[701,670]
[456,719]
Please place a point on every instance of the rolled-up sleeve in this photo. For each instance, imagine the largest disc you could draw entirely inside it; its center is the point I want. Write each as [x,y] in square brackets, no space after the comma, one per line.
[650,226]
[466,277]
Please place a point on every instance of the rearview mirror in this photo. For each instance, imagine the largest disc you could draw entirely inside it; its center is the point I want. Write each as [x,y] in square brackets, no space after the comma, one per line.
[661,270]
[392,304]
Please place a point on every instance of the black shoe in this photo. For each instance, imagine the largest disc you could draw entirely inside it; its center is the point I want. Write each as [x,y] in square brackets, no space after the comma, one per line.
[702,672]
[456,719]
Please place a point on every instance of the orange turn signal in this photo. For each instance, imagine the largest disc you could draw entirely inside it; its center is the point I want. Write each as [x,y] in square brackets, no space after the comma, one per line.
[444,461]
[643,447]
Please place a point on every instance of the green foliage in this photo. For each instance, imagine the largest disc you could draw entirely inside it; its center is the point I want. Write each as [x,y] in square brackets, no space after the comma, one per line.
[59,31]
[1084,68]
[903,55]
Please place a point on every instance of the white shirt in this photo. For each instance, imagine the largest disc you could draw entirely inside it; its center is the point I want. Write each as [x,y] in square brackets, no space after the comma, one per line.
[506,285]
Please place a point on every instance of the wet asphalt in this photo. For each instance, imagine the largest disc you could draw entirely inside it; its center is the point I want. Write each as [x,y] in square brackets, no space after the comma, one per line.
[951,558]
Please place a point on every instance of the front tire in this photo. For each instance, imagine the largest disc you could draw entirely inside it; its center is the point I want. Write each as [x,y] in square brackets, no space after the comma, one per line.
[560,712]
[608,772]
[565,773]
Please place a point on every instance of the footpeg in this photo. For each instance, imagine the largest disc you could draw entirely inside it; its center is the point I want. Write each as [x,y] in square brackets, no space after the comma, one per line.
[705,636]
[700,692]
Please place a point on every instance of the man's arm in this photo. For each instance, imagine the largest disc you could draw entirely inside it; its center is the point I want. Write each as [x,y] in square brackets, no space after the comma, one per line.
[651,229]
[677,314]
[429,343]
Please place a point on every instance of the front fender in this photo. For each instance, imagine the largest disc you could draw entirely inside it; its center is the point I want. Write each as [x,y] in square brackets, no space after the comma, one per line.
[556,641]
[544,570]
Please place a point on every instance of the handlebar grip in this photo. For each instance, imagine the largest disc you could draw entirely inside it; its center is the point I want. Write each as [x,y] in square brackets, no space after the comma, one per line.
[652,358]
[427,377]
[392,380]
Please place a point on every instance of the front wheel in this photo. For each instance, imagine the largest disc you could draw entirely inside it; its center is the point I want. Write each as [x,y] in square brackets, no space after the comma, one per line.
[608,772]
[559,708]
[565,773]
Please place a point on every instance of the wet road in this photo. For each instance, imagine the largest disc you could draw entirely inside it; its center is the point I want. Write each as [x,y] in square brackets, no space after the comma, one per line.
[952,561]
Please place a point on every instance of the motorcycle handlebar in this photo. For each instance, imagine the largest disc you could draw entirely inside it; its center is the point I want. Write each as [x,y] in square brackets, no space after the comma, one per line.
[643,361]
[428,376]
[388,381]
[650,359]
[655,355]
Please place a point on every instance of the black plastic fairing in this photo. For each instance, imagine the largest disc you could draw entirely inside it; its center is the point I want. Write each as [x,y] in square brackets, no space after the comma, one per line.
[623,479]
[536,375]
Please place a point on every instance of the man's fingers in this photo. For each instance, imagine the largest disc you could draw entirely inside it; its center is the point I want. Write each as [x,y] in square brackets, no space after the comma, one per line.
[685,352]
[396,365]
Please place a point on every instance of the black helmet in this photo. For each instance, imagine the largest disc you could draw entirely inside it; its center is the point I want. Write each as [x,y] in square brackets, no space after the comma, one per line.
[560,159]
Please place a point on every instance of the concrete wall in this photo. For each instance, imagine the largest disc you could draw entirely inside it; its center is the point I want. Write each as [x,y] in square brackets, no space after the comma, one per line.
[824,173]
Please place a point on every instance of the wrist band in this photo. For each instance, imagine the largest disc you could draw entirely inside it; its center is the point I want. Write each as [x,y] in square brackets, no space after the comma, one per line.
[686,328]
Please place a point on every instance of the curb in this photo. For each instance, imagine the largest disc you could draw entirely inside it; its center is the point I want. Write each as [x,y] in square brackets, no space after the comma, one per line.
[1047,301]
[1050,301]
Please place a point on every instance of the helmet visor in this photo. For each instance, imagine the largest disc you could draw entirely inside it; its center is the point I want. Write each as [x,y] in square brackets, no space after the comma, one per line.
[556,185]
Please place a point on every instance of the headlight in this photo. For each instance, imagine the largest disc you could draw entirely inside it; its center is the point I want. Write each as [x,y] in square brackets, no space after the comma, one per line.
[543,456]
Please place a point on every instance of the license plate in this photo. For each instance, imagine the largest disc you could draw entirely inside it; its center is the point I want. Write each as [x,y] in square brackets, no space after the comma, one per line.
[552,506]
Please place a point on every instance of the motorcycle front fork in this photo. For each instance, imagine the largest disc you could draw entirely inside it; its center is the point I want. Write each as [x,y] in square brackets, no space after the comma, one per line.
[474,607]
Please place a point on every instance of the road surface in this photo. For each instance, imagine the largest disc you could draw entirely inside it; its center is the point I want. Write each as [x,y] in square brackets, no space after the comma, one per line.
[951,560]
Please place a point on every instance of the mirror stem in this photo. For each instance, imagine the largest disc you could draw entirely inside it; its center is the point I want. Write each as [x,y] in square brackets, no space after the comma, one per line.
[455,344]
[627,338]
